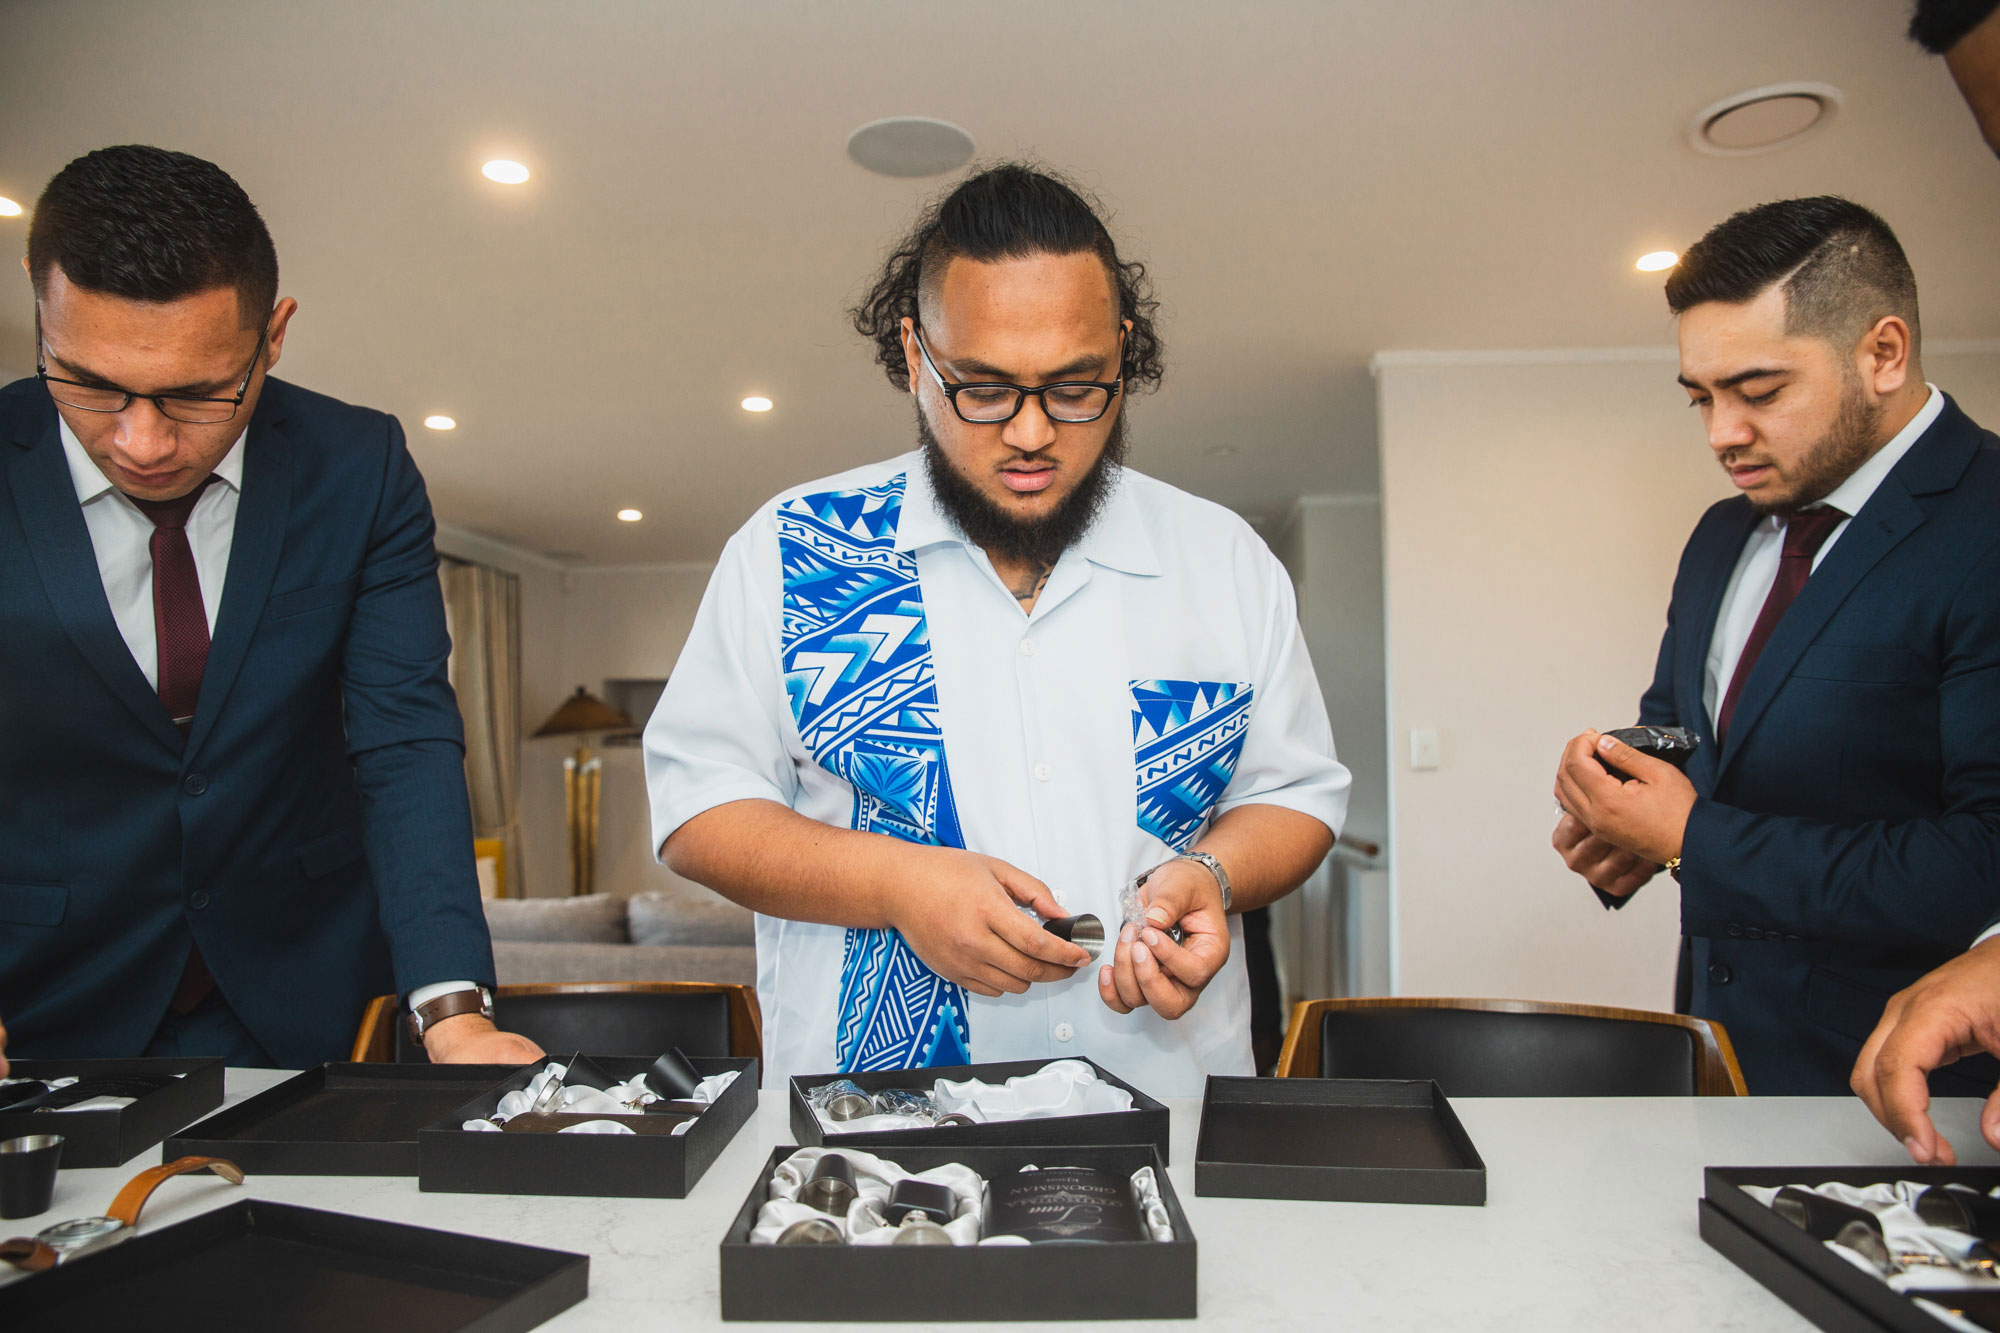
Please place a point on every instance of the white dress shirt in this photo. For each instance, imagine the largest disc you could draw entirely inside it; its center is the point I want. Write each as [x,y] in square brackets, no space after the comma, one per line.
[1757,566]
[1037,714]
[121,536]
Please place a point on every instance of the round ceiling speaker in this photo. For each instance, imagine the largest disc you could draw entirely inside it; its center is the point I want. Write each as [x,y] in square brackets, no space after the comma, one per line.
[1763,119]
[910,146]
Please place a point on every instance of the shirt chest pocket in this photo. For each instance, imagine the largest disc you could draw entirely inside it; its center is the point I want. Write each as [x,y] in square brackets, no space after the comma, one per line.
[1186,738]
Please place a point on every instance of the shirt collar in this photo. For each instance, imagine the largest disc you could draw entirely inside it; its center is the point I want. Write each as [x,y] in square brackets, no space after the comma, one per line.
[1117,539]
[1852,494]
[90,481]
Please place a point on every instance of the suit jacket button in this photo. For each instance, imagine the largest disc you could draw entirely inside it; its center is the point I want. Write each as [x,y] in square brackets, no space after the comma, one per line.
[1752,933]
[194,784]
[1719,973]
[1735,931]
[198,899]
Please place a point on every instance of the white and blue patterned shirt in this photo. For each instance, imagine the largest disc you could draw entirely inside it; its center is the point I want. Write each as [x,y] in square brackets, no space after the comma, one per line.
[1160,681]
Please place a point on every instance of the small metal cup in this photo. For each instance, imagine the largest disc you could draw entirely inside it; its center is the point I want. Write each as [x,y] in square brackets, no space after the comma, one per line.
[831,1188]
[28,1174]
[917,1229]
[1086,932]
[673,1076]
[812,1231]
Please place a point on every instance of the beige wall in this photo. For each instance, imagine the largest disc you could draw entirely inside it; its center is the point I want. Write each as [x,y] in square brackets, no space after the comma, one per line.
[1534,508]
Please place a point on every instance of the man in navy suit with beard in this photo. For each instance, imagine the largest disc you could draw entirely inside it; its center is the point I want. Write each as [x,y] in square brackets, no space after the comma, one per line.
[1834,638]
[230,759]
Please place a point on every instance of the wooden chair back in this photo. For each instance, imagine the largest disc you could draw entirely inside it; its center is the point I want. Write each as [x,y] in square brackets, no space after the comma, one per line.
[597,1017]
[1517,1048]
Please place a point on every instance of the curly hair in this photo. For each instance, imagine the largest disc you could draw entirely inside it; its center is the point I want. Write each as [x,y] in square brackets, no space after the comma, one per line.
[1010,211]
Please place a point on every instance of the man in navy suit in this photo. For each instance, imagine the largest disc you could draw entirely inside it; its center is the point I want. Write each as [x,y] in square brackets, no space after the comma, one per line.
[230,760]
[1834,638]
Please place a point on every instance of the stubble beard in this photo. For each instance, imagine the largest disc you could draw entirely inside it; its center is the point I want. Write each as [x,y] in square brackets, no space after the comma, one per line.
[1008,538]
[1847,444]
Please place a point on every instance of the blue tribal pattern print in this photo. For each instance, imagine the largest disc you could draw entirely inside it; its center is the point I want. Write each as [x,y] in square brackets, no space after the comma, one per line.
[1186,737]
[857,663]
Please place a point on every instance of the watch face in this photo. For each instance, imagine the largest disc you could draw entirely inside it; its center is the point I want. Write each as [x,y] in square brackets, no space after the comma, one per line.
[78,1230]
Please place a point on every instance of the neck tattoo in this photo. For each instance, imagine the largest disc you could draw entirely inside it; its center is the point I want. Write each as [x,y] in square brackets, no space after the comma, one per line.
[1031,584]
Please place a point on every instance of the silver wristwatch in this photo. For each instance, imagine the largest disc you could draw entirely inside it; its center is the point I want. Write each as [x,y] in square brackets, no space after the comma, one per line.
[1215,869]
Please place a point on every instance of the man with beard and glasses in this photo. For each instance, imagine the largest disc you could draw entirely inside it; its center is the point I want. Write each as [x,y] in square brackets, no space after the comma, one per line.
[999,677]
[1834,641]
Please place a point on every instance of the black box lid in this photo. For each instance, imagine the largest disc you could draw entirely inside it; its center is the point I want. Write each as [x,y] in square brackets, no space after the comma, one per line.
[1347,1139]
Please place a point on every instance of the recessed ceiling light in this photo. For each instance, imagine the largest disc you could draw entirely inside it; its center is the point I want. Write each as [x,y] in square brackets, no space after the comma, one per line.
[1763,119]
[441,422]
[8,208]
[756,404]
[504,171]
[1220,450]
[629,516]
[910,146]
[1659,261]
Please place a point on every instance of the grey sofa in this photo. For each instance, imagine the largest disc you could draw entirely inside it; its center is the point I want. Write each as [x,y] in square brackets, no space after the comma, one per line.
[683,935]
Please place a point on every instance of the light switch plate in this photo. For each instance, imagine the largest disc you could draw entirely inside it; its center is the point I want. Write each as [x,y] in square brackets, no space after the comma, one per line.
[1423,749]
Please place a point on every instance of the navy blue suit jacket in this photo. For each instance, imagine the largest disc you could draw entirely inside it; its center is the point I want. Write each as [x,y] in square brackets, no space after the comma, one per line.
[311,832]
[1846,836]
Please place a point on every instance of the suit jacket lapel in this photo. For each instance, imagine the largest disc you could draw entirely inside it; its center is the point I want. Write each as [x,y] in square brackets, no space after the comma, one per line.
[45,499]
[1889,516]
[262,512]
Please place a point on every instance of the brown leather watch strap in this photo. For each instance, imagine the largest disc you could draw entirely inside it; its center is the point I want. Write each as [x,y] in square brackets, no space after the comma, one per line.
[140,1187]
[449,1005]
[28,1254]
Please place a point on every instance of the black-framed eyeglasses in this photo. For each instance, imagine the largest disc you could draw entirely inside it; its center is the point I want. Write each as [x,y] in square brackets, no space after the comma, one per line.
[110,398]
[1072,402]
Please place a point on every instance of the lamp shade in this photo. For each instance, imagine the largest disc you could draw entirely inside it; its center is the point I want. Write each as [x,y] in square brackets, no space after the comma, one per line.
[584,711]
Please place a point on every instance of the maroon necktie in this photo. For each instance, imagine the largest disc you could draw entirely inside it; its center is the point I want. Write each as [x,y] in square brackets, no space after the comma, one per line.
[1805,532]
[180,626]
[180,623]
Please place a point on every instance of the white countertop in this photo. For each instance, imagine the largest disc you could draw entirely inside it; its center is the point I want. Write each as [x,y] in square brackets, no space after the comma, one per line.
[1589,1222]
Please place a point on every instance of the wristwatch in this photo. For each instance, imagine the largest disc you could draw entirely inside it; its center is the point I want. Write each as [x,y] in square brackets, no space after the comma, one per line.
[65,1241]
[1215,869]
[430,1013]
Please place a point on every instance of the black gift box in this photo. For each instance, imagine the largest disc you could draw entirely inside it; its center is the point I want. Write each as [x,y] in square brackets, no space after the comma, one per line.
[1147,1279]
[1801,1271]
[337,1120]
[114,1137]
[1355,1140]
[256,1266]
[1146,1122]
[627,1166]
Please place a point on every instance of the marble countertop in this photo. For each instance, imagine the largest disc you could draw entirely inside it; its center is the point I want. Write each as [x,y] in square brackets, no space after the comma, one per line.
[1589,1221]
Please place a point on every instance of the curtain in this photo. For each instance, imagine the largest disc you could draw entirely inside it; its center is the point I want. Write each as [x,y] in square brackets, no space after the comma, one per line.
[483,612]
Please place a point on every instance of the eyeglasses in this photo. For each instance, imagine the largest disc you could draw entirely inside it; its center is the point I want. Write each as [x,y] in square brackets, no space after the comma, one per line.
[110,398]
[1072,402]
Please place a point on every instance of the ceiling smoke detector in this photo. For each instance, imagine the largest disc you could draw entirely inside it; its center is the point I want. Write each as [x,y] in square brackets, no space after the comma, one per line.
[1763,119]
[910,146]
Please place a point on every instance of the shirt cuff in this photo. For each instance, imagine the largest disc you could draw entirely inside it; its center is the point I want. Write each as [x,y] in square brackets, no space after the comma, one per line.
[1987,934]
[425,994]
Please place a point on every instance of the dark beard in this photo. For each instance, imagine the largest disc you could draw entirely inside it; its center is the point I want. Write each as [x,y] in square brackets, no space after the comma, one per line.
[1847,444]
[1038,542]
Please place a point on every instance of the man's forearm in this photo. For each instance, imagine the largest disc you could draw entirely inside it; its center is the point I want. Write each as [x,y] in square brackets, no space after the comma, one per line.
[1267,850]
[771,859]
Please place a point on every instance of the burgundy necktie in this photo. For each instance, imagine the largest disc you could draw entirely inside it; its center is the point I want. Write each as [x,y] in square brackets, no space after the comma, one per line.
[1805,532]
[180,626]
[180,622]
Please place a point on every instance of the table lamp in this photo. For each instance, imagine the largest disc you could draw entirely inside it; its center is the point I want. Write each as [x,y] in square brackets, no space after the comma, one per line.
[582,715]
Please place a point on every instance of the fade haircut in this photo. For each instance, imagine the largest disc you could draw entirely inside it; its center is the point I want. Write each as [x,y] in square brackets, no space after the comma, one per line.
[1839,265]
[147,224]
[1011,211]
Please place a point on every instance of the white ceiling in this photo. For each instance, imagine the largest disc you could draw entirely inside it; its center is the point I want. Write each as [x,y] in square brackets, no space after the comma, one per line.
[1310,182]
